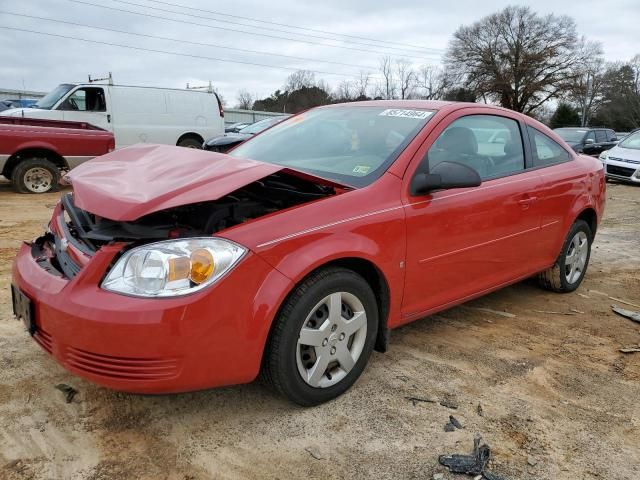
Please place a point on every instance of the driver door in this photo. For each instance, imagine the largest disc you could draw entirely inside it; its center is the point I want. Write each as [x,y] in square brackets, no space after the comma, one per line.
[87,104]
[464,242]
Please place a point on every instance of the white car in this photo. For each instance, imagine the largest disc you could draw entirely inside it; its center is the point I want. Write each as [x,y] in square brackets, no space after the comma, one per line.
[134,114]
[622,162]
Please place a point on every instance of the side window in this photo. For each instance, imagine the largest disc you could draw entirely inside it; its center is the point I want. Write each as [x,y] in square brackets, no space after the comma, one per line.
[546,151]
[489,144]
[86,100]
[590,136]
[611,136]
[600,136]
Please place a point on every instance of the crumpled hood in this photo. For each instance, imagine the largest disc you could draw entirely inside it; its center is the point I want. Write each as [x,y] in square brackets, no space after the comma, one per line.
[132,182]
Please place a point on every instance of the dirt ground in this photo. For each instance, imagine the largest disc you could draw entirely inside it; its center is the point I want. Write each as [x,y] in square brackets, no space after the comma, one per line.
[559,400]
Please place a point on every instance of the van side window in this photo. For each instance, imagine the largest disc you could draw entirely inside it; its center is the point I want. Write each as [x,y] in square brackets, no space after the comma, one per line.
[489,144]
[546,151]
[89,99]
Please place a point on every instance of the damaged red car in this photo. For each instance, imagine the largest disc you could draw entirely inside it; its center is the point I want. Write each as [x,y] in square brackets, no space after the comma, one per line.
[169,269]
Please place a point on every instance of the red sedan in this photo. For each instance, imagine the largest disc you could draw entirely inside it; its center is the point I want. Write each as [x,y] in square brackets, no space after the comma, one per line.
[170,269]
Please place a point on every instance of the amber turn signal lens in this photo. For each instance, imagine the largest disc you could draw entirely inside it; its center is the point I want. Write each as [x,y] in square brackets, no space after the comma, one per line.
[201,265]
[179,268]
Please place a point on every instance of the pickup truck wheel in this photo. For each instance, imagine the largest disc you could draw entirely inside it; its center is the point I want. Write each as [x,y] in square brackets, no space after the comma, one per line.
[567,273]
[35,175]
[322,338]
[190,142]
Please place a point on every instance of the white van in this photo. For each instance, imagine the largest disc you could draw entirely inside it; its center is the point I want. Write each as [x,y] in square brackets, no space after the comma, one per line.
[135,114]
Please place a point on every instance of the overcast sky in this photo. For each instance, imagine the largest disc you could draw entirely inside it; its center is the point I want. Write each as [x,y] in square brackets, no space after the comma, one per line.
[415,29]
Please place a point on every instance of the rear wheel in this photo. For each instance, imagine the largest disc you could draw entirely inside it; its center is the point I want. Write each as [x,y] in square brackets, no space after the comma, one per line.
[568,272]
[190,142]
[35,175]
[322,338]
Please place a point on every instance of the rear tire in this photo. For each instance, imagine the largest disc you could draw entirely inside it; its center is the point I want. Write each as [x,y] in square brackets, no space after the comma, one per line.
[313,332]
[568,272]
[35,175]
[190,142]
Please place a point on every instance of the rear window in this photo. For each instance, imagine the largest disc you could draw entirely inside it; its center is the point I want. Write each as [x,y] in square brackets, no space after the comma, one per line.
[545,150]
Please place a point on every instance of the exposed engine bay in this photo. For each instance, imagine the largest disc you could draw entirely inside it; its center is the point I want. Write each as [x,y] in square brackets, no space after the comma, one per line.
[270,194]
[88,232]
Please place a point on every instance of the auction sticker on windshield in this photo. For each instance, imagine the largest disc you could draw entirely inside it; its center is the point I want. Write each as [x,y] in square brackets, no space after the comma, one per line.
[396,112]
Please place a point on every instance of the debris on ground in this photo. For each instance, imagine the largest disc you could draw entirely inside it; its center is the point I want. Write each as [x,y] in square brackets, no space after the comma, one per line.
[474,464]
[554,312]
[449,427]
[531,461]
[480,410]
[68,390]
[632,349]
[635,316]
[416,400]
[455,422]
[619,300]
[313,453]
[449,403]
[495,312]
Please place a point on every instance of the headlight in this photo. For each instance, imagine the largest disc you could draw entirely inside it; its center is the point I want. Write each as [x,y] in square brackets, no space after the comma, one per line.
[604,155]
[172,267]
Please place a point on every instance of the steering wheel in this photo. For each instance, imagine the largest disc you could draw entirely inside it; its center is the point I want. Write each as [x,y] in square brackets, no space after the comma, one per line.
[73,104]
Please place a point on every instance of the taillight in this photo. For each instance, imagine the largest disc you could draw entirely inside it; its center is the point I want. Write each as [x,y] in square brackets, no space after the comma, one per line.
[112,145]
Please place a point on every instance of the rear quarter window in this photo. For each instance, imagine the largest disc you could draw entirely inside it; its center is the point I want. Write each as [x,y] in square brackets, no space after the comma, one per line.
[546,151]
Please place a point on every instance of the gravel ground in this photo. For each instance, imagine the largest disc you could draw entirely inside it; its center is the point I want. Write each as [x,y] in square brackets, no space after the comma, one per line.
[559,400]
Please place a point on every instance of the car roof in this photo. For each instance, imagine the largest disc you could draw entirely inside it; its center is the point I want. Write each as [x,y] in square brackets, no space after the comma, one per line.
[419,104]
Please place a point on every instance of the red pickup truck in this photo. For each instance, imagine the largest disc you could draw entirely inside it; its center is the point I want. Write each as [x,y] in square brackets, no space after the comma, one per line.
[34,152]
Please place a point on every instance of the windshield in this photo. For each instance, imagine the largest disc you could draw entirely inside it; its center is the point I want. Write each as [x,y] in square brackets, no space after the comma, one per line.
[631,141]
[50,99]
[261,125]
[571,134]
[349,144]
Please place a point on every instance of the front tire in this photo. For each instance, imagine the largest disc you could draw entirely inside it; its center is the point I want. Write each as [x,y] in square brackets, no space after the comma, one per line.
[568,272]
[322,338]
[35,175]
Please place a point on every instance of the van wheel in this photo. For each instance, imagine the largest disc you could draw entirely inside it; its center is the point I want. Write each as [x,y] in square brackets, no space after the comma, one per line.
[568,272]
[322,338]
[190,142]
[35,175]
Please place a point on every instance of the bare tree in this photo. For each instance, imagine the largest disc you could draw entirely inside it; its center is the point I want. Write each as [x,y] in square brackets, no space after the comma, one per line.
[406,78]
[587,89]
[517,57]
[345,91]
[362,85]
[432,82]
[388,87]
[245,100]
[300,79]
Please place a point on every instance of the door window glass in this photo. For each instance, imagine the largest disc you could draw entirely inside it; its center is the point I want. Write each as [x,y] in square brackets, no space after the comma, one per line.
[489,144]
[86,100]
[546,151]
[600,136]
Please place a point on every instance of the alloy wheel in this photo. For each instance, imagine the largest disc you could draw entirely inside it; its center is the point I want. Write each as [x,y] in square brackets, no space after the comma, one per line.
[576,258]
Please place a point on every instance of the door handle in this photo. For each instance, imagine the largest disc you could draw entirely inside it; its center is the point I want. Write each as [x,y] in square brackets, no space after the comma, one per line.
[525,203]
[108,118]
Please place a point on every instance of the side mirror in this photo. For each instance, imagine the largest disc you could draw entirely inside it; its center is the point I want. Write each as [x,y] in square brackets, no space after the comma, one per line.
[614,139]
[445,175]
[589,141]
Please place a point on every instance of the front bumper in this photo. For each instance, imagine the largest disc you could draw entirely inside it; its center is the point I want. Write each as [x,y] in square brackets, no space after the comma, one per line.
[622,170]
[212,338]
